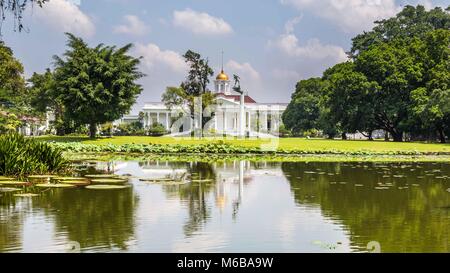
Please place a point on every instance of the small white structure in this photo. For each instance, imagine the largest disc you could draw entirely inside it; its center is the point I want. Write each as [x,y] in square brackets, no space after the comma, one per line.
[233,114]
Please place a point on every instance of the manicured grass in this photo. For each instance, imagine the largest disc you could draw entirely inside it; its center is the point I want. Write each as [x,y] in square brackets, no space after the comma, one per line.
[288,144]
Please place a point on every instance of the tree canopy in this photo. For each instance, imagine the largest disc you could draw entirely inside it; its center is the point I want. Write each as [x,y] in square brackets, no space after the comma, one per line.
[397,80]
[195,85]
[96,85]
[12,83]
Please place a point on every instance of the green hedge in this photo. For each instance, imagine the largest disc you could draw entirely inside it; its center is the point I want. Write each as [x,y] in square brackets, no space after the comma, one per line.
[213,148]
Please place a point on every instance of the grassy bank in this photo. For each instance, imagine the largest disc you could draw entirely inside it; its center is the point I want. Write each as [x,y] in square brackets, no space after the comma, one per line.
[255,146]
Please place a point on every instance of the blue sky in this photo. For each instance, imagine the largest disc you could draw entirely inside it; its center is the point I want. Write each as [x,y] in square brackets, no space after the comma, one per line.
[271,44]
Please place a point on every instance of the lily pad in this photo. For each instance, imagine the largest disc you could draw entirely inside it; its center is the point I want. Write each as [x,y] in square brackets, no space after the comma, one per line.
[6,190]
[106,187]
[76,182]
[26,195]
[58,186]
[101,175]
[13,183]
[109,181]
[157,179]
[202,180]
[4,178]
[41,176]
[70,178]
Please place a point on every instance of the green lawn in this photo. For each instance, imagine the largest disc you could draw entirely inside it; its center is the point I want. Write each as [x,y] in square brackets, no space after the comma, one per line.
[284,143]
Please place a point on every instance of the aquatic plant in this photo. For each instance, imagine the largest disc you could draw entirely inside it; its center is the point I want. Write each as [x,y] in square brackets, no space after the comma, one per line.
[20,156]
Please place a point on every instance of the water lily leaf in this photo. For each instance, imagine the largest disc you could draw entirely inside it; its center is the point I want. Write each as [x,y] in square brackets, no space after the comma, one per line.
[76,182]
[64,186]
[202,180]
[13,183]
[106,187]
[70,178]
[4,178]
[109,181]
[6,190]
[41,176]
[101,175]
[26,195]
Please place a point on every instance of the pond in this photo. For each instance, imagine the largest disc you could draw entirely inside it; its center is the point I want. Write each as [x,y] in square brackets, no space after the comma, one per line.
[238,206]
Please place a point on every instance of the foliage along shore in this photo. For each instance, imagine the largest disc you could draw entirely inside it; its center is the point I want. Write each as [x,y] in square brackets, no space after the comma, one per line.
[218,158]
[229,149]
[20,156]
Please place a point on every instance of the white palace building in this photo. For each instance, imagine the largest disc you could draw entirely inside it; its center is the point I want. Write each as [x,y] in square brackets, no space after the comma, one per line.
[230,111]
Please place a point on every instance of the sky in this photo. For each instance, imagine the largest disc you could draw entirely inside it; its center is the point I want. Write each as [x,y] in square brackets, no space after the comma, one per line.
[270,44]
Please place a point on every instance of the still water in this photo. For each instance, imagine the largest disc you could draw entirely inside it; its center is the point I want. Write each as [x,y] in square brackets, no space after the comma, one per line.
[249,207]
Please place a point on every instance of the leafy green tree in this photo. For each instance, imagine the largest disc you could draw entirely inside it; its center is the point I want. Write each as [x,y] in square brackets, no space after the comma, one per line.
[195,85]
[397,69]
[199,73]
[350,99]
[12,83]
[96,85]
[409,23]
[303,113]
[431,103]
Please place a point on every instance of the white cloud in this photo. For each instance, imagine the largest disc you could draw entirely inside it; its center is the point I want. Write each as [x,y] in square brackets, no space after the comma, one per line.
[288,43]
[201,23]
[244,70]
[133,26]
[153,56]
[349,15]
[313,48]
[66,16]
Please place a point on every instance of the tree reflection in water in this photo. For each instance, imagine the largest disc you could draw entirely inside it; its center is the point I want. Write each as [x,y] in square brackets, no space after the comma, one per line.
[413,215]
[195,195]
[101,219]
[12,217]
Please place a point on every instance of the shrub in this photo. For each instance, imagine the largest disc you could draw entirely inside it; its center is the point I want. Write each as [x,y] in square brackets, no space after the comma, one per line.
[20,156]
[157,130]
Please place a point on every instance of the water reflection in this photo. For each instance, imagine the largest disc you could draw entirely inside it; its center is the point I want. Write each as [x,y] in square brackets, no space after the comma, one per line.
[405,207]
[241,206]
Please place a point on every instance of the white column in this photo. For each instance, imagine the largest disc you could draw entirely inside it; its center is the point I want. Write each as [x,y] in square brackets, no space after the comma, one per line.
[224,122]
[157,117]
[249,121]
[242,116]
[167,121]
[265,120]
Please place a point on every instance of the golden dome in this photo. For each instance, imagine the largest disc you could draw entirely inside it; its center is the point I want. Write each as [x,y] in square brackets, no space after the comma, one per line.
[222,76]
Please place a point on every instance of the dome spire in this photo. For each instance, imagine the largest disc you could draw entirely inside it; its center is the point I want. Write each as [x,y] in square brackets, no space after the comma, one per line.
[222,76]
[222,61]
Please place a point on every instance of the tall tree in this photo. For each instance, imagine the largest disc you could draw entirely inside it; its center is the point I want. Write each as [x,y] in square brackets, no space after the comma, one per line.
[349,97]
[96,85]
[195,85]
[409,23]
[303,113]
[431,102]
[16,8]
[197,81]
[43,97]
[12,83]
[394,66]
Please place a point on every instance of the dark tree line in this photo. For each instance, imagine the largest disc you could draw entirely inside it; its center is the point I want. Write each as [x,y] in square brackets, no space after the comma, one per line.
[397,79]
